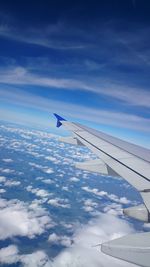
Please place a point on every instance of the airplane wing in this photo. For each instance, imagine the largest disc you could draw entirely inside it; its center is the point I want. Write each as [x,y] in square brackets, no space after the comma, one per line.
[118,158]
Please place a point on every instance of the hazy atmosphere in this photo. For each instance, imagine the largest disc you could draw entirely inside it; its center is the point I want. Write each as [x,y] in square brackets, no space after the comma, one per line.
[88,61]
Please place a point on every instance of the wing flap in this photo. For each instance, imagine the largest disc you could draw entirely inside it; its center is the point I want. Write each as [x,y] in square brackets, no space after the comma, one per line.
[96,165]
[139,212]
[93,166]
[70,140]
[146,197]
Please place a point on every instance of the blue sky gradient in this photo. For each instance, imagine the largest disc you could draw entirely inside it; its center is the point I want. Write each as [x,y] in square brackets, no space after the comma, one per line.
[88,61]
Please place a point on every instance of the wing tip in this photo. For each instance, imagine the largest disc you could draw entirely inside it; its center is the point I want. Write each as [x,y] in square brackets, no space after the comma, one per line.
[59,119]
[132,248]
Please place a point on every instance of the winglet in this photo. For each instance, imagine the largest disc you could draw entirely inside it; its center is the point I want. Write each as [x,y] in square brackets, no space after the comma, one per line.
[59,119]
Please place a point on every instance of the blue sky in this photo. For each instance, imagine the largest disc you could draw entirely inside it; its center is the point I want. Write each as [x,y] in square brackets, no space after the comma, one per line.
[86,60]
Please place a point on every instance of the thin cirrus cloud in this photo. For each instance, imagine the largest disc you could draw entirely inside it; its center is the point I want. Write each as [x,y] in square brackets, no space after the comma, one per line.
[63,36]
[21,76]
[44,38]
[101,116]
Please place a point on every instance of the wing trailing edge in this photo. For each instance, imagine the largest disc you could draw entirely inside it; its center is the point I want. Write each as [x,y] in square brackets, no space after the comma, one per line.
[96,165]
[70,140]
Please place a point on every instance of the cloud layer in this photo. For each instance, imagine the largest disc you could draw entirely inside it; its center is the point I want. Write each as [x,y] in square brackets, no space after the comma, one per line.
[83,251]
[20,219]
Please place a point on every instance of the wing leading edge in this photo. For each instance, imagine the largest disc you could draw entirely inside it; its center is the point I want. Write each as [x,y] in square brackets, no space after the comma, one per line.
[117,157]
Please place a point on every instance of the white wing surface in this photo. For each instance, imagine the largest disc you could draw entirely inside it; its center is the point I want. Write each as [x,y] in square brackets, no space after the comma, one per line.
[119,158]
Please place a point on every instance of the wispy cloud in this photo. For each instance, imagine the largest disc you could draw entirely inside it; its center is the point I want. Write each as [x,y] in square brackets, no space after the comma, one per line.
[96,115]
[125,93]
[45,37]
[62,35]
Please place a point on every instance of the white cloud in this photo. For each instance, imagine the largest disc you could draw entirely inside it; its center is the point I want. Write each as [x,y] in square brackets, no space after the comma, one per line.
[88,208]
[52,159]
[65,188]
[2,191]
[67,226]
[20,219]
[59,202]
[82,253]
[7,171]
[47,181]
[10,183]
[60,240]
[9,255]
[53,238]
[7,160]
[114,209]
[39,178]
[74,179]
[2,179]
[38,192]
[36,259]
[48,170]
[122,200]
[35,154]
[45,169]
[89,205]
